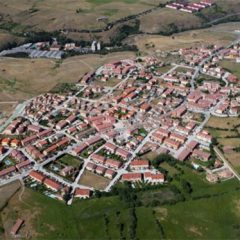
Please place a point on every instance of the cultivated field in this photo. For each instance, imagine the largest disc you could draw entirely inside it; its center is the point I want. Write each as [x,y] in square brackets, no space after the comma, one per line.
[41,75]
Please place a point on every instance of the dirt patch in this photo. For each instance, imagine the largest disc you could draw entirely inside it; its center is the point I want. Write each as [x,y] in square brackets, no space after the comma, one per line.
[195,230]
[161,213]
[18,209]
[7,191]
[93,180]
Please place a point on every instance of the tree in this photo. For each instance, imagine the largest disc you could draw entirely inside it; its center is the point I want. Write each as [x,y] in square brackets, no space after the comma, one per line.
[1,230]
[186,186]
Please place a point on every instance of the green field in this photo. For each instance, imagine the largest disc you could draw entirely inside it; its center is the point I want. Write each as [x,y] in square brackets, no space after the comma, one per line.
[69,160]
[211,211]
[210,218]
[232,67]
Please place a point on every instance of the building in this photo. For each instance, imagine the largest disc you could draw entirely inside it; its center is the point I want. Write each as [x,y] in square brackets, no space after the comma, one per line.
[15,229]
[82,193]
[37,176]
[139,164]
[132,177]
[52,184]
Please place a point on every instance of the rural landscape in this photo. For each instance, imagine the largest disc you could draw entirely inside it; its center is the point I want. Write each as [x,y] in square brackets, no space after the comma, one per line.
[119,119]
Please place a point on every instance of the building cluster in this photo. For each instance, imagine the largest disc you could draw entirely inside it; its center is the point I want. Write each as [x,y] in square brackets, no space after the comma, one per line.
[59,138]
[50,49]
[190,7]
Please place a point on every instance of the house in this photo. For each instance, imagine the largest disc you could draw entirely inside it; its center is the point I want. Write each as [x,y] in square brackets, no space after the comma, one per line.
[123,153]
[6,142]
[37,176]
[132,177]
[66,171]
[98,158]
[79,149]
[113,163]
[204,136]
[109,174]
[153,178]
[110,147]
[139,164]
[177,137]
[204,156]
[184,154]
[91,167]
[7,171]
[100,170]
[15,143]
[145,107]
[82,193]
[52,184]
[23,164]
[172,143]
[192,145]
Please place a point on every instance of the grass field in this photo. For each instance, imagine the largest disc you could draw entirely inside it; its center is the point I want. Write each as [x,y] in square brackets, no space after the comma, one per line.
[224,123]
[161,20]
[214,215]
[202,219]
[6,37]
[232,67]
[41,75]
[93,180]
[57,14]
[69,160]
[221,34]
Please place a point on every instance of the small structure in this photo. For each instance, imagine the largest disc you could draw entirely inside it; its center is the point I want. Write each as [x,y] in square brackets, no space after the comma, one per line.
[15,229]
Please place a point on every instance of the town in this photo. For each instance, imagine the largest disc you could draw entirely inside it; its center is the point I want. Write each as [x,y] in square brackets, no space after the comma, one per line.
[99,132]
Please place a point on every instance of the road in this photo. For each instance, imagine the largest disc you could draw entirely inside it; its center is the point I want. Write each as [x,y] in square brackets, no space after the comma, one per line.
[220,155]
[20,107]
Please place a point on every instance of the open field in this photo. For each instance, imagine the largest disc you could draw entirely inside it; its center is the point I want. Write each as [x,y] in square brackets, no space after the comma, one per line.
[226,131]
[224,123]
[220,34]
[7,107]
[93,180]
[41,75]
[232,67]
[202,219]
[7,191]
[195,218]
[6,38]
[162,20]
[57,14]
